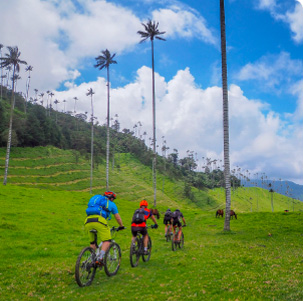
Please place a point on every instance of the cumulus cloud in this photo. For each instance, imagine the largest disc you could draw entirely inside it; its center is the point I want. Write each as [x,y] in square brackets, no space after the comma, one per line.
[295,20]
[191,119]
[184,23]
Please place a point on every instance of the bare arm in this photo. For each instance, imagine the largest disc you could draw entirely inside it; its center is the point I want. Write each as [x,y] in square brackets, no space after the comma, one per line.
[154,220]
[184,221]
[118,219]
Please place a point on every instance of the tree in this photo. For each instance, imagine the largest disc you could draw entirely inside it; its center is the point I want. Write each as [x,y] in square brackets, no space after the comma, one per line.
[225,119]
[12,59]
[91,93]
[1,46]
[56,103]
[28,69]
[151,32]
[104,61]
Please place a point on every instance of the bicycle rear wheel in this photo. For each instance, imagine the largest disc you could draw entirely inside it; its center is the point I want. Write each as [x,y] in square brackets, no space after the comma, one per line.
[85,269]
[174,242]
[134,254]
[112,259]
[149,248]
[181,243]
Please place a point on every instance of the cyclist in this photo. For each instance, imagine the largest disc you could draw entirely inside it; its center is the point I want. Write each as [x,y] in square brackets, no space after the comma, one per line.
[98,212]
[167,220]
[175,220]
[141,227]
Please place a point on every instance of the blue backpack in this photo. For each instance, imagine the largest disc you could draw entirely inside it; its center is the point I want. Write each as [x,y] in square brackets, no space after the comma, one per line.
[98,205]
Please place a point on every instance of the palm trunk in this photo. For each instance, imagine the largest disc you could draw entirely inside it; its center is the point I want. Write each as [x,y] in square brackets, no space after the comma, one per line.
[107,128]
[154,126]
[225,118]
[9,139]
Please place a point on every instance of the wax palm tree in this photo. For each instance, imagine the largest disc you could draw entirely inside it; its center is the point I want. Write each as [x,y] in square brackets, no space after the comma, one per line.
[28,69]
[41,95]
[225,118]
[12,59]
[64,101]
[51,94]
[91,93]
[75,99]
[1,46]
[56,103]
[151,32]
[104,61]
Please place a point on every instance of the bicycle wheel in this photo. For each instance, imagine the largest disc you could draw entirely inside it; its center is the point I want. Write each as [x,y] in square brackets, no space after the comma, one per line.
[112,259]
[173,242]
[134,254]
[181,243]
[149,248]
[85,269]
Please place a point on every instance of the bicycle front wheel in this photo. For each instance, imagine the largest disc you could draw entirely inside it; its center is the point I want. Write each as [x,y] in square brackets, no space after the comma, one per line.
[134,254]
[112,259]
[85,267]
[149,249]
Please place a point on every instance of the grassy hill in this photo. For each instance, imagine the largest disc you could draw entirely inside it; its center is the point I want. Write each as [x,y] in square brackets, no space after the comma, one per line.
[66,170]
[42,233]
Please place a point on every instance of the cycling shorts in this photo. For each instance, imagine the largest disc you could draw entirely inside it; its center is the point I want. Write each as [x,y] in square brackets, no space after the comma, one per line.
[177,223]
[167,221]
[135,230]
[98,223]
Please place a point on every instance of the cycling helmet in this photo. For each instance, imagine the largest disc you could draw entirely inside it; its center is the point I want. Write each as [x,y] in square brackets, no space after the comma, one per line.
[143,203]
[178,210]
[109,194]
[168,209]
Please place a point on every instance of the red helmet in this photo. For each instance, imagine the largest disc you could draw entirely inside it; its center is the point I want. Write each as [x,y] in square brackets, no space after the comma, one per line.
[143,203]
[109,194]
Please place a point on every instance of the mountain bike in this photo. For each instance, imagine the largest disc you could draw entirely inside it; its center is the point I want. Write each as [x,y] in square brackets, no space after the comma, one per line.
[168,234]
[137,249]
[87,264]
[175,243]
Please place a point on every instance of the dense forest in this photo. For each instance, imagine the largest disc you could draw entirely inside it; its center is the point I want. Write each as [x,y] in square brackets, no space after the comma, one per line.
[35,125]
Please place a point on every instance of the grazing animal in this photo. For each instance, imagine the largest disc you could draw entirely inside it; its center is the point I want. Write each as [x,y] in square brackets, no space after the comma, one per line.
[156,213]
[232,214]
[219,213]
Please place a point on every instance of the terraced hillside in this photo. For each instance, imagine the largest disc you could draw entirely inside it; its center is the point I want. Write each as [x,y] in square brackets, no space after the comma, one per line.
[56,169]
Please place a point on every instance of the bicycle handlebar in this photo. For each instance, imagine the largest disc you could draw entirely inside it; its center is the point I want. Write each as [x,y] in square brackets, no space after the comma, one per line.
[117,228]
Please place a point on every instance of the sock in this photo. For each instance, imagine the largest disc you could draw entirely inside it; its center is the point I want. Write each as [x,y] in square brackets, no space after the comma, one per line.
[102,254]
[145,249]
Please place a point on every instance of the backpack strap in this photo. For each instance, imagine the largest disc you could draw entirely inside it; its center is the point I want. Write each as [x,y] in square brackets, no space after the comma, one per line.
[106,208]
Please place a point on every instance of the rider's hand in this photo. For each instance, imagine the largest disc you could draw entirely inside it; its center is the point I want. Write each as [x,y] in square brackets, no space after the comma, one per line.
[121,228]
[155,226]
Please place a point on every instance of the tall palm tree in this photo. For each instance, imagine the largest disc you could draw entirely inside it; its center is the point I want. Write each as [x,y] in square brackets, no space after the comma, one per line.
[41,95]
[51,94]
[64,104]
[56,103]
[11,59]
[1,46]
[75,99]
[104,61]
[151,32]
[91,93]
[225,118]
[28,69]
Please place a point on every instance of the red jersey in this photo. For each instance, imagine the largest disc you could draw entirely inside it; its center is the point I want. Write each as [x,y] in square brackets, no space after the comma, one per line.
[147,214]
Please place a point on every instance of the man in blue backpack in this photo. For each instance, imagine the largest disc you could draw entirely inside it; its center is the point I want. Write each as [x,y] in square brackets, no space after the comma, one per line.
[99,210]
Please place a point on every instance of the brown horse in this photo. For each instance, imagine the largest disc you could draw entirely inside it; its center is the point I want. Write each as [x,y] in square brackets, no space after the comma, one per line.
[232,214]
[156,213]
[219,213]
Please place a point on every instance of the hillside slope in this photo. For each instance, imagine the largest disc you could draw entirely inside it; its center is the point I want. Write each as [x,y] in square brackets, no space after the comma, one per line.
[66,170]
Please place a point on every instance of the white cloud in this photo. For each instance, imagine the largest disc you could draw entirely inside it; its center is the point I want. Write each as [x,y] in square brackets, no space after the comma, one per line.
[295,20]
[190,118]
[186,24]
[272,70]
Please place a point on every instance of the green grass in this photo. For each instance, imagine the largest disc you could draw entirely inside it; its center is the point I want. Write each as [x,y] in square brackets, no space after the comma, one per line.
[42,233]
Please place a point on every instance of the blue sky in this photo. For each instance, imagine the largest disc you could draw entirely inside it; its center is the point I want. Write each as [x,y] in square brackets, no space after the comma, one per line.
[61,39]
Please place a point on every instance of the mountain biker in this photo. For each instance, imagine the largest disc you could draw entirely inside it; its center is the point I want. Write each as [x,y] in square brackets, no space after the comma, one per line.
[135,228]
[167,220]
[99,221]
[175,220]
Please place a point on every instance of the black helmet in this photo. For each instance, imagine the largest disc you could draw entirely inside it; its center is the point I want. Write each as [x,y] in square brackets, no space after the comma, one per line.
[168,209]
[178,210]
[109,194]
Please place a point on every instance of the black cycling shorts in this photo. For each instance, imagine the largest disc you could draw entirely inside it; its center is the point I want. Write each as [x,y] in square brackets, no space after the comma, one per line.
[135,231]
[167,221]
[177,223]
